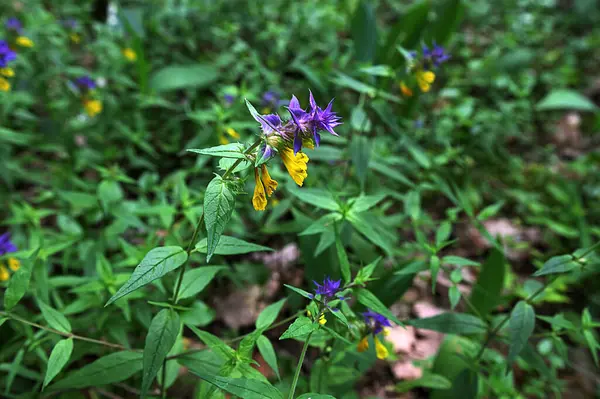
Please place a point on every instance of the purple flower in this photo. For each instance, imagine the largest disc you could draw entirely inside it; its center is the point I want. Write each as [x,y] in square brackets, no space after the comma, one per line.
[328,289]
[6,54]
[13,24]
[313,121]
[6,245]
[437,54]
[270,98]
[86,83]
[375,321]
[229,99]
[70,23]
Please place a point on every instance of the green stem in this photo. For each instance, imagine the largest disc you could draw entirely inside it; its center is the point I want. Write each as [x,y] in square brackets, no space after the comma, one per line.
[299,368]
[239,160]
[163,387]
[189,251]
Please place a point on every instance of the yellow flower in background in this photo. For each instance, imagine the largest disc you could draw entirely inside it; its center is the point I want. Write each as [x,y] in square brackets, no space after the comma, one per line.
[232,133]
[24,42]
[75,38]
[406,91]
[8,72]
[4,85]
[295,164]
[380,349]
[129,54]
[14,264]
[92,107]
[223,140]
[425,79]
[322,320]
[4,274]
[363,345]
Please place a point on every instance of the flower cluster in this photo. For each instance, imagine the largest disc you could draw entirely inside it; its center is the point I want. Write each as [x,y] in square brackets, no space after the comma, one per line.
[286,139]
[86,86]
[7,246]
[421,66]
[375,323]
[15,27]
[6,57]
[327,291]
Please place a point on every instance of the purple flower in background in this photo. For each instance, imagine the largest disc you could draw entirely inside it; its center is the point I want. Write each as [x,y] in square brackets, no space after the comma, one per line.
[437,54]
[13,24]
[328,289]
[86,83]
[229,99]
[270,98]
[70,23]
[6,245]
[375,321]
[6,54]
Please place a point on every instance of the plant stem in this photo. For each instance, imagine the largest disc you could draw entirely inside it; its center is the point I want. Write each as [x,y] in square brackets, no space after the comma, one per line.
[239,160]
[163,387]
[67,335]
[299,368]
[189,251]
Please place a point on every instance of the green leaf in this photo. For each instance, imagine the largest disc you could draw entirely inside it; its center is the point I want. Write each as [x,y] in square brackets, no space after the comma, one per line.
[458,261]
[244,388]
[406,32]
[557,264]
[269,314]
[104,371]
[316,197]
[434,267]
[364,32]
[322,225]
[265,347]
[363,226]
[433,381]
[109,192]
[195,280]
[158,262]
[450,15]
[353,84]
[364,274]
[465,385]
[372,302]
[343,258]
[390,172]
[231,246]
[340,316]
[443,233]
[54,318]
[58,359]
[184,77]
[487,291]
[315,396]
[161,337]
[219,202]
[214,343]
[490,211]
[300,291]
[412,204]
[232,150]
[360,151]
[520,326]
[19,282]
[451,323]
[565,99]
[301,327]
[366,202]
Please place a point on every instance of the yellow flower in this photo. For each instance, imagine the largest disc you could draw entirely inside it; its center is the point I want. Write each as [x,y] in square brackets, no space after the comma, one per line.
[322,320]
[8,72]
[75,38]
[363,345]
[129,54]
[386,332]
[425,79]
[14,264]
[406,91]
[232,133]
[92,107]
[265,186]
[223,140]
[265,110]
[4,274]
[259,199]
[295,164]
[4,85]
[24,42]
[380,349]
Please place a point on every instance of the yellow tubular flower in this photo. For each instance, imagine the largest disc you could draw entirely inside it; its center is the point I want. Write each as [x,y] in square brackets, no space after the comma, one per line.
[4,274]
[259,199]
[129,54]
[4,85]
[380,349]
[322,320]
[363,345]
[24,42]
[8,72]
[92,107]
[425,79]
[223,140]
[406,91]
[270,184]
[75,38]
[295,164]
[233,134]
[14,264]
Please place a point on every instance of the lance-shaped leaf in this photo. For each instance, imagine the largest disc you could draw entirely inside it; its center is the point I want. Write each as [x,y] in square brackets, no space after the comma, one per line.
[300,327]
[195,280]
[219,202]
[58,359]
[232,150]
[231,246]
[520,325]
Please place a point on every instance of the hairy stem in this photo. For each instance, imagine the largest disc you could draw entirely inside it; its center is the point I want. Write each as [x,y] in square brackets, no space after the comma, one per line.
[299,367]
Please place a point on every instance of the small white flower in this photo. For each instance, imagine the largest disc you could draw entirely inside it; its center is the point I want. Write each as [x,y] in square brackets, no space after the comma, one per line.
[101,81]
